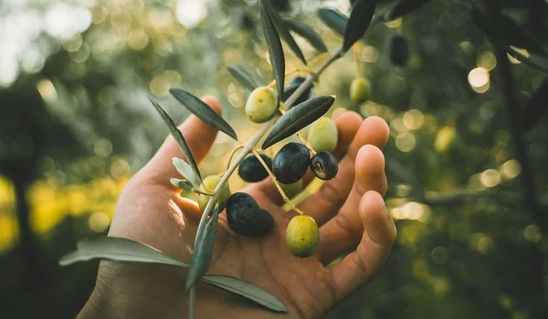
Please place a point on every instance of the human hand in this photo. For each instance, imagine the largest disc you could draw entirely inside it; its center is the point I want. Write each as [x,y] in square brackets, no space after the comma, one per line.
[349,209]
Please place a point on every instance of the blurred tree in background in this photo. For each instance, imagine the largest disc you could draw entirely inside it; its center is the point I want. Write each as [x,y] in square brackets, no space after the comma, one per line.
[466,161]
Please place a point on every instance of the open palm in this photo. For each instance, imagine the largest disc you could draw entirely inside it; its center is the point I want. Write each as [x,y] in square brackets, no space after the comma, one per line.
[349,209]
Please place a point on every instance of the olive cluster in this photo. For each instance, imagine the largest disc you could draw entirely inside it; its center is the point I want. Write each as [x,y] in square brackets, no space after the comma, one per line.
[287,169]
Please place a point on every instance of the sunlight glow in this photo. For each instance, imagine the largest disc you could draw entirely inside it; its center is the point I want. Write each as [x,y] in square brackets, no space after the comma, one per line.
[413,211]
[479,79]
[191,12]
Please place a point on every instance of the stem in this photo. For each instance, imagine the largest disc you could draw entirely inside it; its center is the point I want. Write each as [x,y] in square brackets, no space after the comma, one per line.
[192,302]
[275,181]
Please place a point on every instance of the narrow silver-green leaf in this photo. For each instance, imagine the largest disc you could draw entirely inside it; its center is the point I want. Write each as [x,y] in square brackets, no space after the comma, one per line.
[203,251]
[403,7]
[186,170]
[182,184]
[275,50]
[119,249]
[178,136]
[203,111]
[282,29]
[247,290]
[335,20]
[308,33]
[297,118]
[360,18]
[242,76]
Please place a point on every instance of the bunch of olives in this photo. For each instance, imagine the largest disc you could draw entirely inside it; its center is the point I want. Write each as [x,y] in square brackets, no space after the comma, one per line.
[287,168]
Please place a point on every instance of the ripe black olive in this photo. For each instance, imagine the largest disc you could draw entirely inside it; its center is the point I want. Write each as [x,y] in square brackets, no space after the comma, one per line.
[251,170]
[398,50]
[324,165]
[246,218]
[292,86]
[291,162]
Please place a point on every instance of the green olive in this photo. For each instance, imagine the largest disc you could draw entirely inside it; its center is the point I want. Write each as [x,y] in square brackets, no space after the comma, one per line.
[261,104]
[292,189]
[359,90]
[208,186]
[445,139]
[302,236]
[323,135]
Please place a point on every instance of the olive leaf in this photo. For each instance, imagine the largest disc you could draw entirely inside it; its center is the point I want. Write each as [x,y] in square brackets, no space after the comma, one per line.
[504,32]
[335,20]
[178,136]
[275,50]
[306,32]
[203,111]
[203,250]
[240,74]
[119,249]
[182,184]
[536,107]
[360,18]
[282,29]
[123,249]
[530,58]
[245,289]
[403,7]
[186,170]
[297,118]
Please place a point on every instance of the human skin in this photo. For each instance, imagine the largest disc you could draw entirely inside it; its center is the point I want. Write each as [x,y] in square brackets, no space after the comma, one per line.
[349,209]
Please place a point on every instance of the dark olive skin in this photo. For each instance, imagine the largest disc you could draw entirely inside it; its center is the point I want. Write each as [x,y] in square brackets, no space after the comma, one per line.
[252,171]
[291,162]
[294,85]
[324,165]
[398,51]
[246,218]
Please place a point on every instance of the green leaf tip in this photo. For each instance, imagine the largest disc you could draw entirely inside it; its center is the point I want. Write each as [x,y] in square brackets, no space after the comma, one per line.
[119,249]
[297,118]
[203,111]
[360,18]
[275,50]
[247,290]
[178,136]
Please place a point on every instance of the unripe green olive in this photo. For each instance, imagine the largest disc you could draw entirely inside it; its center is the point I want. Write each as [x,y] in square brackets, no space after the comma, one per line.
[445,139]
[261,104]
[302,236]
[323,135]
[292,189]
[208,186]
[359,90]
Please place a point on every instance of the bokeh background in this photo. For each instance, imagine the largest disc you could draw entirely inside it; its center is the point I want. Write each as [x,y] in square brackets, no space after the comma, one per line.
[466,161]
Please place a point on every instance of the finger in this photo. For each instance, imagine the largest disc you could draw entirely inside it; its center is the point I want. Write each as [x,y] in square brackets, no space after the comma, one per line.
[343,230]
[343,189]
[199,137]
[348,124]
[363,264]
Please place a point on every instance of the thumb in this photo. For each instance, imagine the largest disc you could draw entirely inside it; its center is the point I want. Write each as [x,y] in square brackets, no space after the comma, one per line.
[199,137]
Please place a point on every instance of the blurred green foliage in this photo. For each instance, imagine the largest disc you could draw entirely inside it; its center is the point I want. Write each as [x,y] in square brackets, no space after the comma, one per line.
[467,184]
